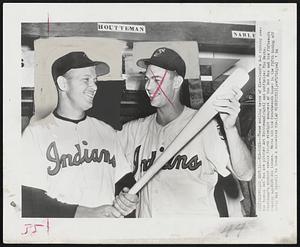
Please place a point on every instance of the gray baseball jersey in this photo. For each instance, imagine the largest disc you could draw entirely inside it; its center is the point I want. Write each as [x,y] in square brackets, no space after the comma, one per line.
[184,187]
[76,163]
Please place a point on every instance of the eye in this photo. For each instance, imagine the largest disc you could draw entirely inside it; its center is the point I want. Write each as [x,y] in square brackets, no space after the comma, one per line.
[157,80]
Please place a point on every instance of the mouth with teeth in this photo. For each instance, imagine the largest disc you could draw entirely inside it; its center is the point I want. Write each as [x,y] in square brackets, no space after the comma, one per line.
[90,95]
[152,96]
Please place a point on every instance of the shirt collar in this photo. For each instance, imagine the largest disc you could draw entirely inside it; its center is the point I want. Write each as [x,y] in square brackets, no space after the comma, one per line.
[68,119]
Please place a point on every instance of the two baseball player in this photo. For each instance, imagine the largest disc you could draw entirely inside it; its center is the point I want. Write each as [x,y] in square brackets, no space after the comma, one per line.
[72,162]
[185,185]
[77,160]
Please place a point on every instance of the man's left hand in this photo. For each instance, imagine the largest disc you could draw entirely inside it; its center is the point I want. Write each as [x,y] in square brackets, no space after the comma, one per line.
[228,106]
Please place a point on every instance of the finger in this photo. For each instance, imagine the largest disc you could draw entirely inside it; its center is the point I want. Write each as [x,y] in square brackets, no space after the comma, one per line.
[234,104]
[110,215]
[226,96]
[238,92]
[130,201]
[111,212]
[120,209]
[132,198]
[125,189]
[115,212]
[125,201]
[227,110]
[122,205]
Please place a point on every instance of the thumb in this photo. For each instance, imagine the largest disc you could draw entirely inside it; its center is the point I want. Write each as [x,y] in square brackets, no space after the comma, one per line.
[125,189]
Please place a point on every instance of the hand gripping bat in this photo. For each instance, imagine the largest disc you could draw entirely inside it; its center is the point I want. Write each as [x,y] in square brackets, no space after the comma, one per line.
[238,78]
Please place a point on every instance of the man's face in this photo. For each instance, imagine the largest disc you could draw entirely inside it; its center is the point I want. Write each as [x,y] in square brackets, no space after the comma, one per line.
[81,87]
[159,86]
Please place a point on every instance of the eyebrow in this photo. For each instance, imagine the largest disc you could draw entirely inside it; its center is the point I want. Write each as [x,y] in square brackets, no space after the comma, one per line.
[154,76]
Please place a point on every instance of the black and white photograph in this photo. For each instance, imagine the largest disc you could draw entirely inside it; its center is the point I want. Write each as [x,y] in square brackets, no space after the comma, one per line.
[145,123]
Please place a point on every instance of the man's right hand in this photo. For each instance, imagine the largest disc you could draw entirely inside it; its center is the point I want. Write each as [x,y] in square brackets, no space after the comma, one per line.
[104,211]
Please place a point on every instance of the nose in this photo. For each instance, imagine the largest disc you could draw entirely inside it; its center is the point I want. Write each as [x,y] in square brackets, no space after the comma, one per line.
[93,84]
[150,85]
[147,84]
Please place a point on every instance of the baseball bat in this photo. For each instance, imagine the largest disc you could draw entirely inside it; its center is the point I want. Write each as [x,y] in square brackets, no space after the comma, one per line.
[238,78]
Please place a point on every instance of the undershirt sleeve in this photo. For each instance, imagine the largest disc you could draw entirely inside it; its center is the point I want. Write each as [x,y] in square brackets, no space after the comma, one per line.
[36,203]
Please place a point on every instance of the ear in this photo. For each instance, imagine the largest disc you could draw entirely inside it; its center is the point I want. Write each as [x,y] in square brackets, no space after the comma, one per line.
[62,83]
[178,80]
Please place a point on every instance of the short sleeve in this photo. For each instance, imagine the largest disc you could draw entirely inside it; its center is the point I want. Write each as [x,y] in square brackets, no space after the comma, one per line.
[216,149]
[126,139]
[122,165]
[32,165]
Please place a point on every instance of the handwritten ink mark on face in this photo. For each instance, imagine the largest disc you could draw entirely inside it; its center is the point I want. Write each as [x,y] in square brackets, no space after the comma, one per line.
[159,88]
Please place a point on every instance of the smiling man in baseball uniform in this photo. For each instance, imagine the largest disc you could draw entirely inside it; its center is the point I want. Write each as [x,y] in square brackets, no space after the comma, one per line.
[184,187]
[72,162]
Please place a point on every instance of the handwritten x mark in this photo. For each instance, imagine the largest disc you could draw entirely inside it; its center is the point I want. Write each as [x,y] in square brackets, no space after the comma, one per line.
[159,88]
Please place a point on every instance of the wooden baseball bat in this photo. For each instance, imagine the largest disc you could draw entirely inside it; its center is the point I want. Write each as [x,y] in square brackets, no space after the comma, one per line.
[238,78]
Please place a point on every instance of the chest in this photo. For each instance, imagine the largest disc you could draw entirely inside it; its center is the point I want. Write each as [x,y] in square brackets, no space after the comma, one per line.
[190,159]
[67,149]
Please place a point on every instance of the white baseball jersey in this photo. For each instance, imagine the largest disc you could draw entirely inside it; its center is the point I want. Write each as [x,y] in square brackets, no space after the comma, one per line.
[76,163]
[184,187]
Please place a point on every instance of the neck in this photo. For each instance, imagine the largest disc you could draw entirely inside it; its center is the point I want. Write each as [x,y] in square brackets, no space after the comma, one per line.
[169,112]
[66,110]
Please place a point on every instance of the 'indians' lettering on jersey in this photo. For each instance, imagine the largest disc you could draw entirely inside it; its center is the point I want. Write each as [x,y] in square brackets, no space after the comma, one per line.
[174,163]
[68,160]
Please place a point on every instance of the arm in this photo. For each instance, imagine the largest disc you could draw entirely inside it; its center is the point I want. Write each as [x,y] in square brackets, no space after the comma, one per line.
[123,205]
[36,203]
[241,160]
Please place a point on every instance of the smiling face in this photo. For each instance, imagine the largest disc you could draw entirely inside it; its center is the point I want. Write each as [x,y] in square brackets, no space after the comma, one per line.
[81,87]
[159,86]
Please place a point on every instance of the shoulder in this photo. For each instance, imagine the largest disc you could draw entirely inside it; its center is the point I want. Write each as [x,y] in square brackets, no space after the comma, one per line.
[39,130]
[39,124]
[139,123]
[189,112]
[100,125]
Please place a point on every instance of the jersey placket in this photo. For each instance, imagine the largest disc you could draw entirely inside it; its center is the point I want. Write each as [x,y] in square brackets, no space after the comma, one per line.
[155,197]
[79,136]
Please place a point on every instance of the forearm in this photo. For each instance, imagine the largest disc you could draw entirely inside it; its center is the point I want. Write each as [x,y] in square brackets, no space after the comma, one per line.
[36,203]
[85,212]
[241,159]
